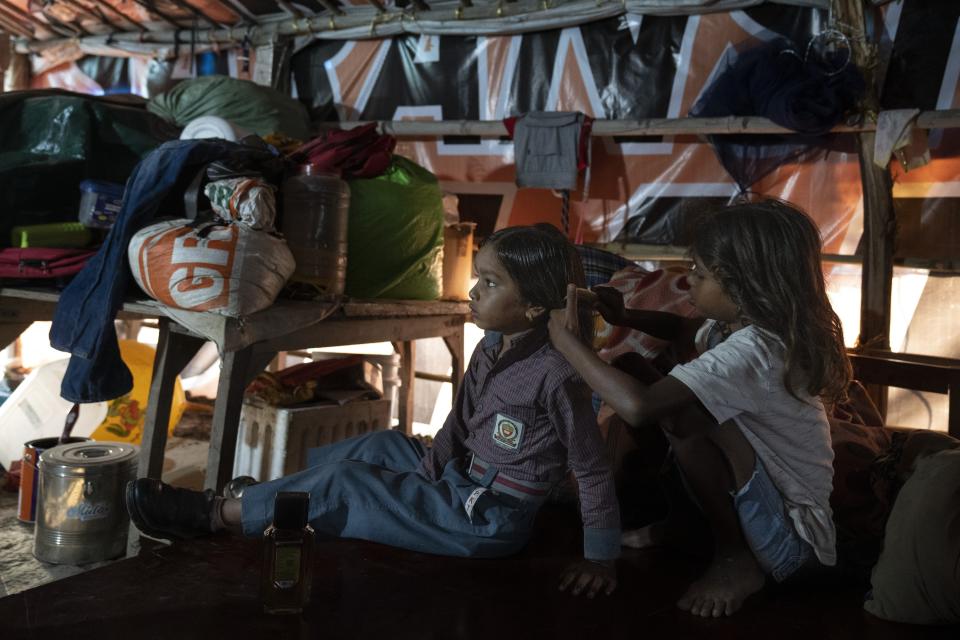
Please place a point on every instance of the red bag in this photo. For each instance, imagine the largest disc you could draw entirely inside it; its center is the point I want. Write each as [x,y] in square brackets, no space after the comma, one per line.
[360,152]
[37,263]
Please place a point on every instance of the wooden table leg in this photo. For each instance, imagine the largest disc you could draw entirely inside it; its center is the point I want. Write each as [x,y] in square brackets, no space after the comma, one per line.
[408,357]
[237,369]
[454,344]
[10,331]
[174,351]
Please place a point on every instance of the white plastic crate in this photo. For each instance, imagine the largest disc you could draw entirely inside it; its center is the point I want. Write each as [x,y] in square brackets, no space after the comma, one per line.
[273,441]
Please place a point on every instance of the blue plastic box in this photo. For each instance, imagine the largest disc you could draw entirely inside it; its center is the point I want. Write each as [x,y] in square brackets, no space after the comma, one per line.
[100,203]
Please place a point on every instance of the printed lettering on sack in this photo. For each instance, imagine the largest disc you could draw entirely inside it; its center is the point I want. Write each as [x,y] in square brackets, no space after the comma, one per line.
[183,270]
[507,432]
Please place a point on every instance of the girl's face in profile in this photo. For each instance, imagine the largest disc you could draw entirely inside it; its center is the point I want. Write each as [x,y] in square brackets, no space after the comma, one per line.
[708,296]
[496,304]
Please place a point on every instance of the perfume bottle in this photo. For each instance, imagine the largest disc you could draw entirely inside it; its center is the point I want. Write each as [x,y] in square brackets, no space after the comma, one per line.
[288,555]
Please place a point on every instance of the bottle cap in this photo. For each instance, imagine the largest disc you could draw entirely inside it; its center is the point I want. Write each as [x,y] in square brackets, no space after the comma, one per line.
[290,509]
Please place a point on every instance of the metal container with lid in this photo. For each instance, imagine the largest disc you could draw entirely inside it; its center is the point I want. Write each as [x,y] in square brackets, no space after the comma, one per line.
[81,516]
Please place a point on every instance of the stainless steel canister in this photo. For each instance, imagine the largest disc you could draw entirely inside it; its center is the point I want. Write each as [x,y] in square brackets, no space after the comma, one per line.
[81,516]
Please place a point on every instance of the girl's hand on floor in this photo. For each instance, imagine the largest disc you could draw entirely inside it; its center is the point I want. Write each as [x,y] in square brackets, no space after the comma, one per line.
[590,577]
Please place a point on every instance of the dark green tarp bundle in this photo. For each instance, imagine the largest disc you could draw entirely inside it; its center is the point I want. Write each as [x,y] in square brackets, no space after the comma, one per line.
[250,106]
[395,234]
[51,140]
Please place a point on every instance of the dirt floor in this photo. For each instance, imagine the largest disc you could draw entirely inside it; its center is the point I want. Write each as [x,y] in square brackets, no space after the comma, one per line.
[184,464]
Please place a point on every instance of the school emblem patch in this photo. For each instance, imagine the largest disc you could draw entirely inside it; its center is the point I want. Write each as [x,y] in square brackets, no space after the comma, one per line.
[507,432]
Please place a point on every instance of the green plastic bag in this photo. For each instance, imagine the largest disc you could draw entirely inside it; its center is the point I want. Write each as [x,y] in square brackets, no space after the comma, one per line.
[395,235]
[250,106]
[52,140]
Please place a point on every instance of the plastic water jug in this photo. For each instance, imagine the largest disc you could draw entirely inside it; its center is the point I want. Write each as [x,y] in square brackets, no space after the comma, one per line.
[314,224]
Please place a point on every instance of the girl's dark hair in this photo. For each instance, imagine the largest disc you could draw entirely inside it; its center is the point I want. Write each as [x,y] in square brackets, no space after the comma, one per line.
[766,256]
[541,261]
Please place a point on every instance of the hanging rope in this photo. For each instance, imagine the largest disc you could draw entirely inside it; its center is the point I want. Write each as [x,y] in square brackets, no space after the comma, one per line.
[565,211]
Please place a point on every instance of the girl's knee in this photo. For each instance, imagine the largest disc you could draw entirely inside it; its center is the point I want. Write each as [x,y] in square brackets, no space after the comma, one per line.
[737,450]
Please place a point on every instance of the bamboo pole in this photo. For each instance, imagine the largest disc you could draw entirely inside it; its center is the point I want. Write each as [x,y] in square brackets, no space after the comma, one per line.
[97,13]
[945,119]
[25,22]
[12,26]
[879,217]
[672,253]
[103,4]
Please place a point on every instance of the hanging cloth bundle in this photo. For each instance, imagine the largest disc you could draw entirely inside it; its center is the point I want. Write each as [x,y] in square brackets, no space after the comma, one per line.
[550,150]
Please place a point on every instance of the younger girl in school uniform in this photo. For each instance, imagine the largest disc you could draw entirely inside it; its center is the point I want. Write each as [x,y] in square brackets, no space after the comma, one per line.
[745,419]
[521,418]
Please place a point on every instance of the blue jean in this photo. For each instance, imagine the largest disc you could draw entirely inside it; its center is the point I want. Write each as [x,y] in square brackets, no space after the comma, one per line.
[779,550]
[83,320]
[368,487]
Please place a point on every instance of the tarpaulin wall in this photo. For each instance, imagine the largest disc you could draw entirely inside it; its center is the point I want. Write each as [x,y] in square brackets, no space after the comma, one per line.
[642,190]
[621,68]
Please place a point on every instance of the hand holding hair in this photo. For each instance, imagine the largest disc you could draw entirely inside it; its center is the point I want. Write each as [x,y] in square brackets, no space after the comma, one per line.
[609,303]
[571,318]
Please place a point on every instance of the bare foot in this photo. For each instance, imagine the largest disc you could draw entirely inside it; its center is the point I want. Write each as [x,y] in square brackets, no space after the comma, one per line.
[652,535]
[722,589]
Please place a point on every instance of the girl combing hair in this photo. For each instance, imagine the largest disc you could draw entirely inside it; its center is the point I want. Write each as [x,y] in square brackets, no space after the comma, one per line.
[745,419]
[766,257]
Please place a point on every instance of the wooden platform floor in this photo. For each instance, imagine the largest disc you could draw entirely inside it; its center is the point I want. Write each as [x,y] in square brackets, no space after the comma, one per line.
[209,589]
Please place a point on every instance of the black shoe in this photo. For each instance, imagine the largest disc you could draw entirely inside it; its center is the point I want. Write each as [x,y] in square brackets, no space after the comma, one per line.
[166,512]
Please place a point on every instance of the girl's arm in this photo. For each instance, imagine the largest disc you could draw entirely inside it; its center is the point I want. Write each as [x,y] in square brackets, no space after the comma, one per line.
[635,402]
[448,441]
[659,324]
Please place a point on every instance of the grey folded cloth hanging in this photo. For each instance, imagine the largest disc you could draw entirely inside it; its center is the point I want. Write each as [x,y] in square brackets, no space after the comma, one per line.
[545,149]
[897,135]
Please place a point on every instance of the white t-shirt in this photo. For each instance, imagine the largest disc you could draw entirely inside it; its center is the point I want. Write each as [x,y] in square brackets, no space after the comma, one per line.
[741,378]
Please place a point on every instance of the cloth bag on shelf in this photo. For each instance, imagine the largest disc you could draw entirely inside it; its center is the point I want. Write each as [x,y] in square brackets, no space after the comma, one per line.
[222,268]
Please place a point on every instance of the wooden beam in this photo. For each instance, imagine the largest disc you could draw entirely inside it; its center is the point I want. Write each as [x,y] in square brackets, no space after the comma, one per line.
[14,19]
[149,6]
[237,7]
[917,372]
[879,236]
[103,4]
[879,218]
[408,355]
[12,26]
